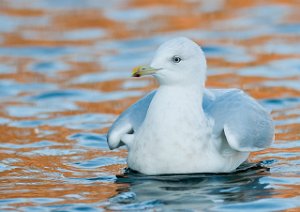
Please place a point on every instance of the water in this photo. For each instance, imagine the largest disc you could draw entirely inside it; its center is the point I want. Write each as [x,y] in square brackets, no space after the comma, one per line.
[64,78]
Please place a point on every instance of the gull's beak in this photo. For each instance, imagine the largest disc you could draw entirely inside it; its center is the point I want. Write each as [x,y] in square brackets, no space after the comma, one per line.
[143,70]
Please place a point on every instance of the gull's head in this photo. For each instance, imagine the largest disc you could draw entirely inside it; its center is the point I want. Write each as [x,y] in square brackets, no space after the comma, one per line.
[177,61]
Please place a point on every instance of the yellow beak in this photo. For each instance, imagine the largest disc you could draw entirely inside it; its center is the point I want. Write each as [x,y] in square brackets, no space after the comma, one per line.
[143,70]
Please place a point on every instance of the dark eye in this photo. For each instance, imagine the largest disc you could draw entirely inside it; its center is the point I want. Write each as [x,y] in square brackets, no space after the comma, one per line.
[176,59]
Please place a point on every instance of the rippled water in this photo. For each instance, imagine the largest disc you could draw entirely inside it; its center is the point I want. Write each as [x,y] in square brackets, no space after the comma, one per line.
[64,78]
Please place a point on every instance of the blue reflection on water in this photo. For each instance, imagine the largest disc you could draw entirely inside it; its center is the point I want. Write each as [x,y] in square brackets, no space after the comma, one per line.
[38,52]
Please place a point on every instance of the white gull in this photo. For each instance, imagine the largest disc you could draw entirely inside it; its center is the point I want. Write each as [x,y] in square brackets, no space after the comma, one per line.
[183,127]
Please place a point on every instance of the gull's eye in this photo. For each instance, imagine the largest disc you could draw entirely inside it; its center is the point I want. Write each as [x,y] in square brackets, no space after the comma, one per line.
[176,59]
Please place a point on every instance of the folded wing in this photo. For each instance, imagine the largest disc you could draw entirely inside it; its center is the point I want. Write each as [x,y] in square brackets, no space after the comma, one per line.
[245,123]
[122,130]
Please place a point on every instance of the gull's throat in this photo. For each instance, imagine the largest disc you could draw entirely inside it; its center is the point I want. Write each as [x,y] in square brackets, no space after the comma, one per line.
[176,108]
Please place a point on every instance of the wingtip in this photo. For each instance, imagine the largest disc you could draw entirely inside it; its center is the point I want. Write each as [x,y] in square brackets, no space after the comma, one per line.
[112,141]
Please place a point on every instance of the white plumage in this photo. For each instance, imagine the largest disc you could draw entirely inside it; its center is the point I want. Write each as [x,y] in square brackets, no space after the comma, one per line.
[182,127]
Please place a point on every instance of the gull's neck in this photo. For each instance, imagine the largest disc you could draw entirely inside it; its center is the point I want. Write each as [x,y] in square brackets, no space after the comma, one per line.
[192,92]
[178,103]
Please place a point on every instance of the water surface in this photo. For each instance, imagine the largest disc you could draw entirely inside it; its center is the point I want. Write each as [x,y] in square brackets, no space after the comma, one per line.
[65,77]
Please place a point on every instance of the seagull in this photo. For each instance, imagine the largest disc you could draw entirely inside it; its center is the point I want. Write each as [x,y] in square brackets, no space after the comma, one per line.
[183,127]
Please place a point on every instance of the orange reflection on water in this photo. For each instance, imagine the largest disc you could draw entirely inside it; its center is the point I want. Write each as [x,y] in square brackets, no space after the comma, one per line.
[51,148]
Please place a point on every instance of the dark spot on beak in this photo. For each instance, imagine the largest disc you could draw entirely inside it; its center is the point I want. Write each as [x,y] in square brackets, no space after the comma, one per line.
[136,75]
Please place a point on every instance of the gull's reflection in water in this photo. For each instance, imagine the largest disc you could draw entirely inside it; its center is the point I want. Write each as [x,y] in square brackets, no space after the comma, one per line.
[193,191]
